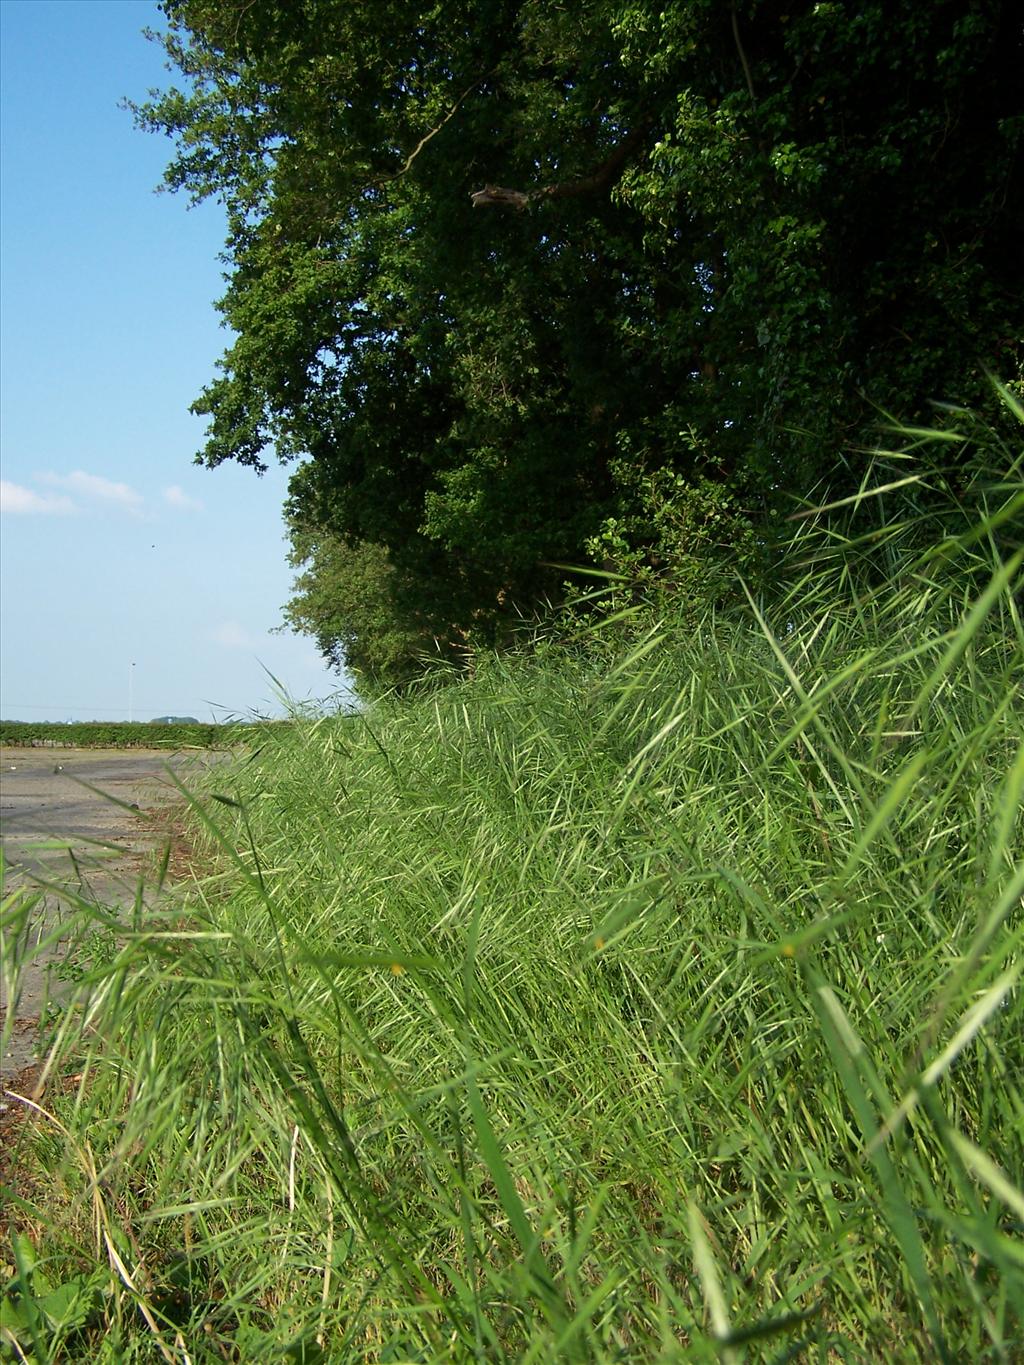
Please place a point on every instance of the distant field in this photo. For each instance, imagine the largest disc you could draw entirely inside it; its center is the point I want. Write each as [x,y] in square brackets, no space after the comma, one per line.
[115,735]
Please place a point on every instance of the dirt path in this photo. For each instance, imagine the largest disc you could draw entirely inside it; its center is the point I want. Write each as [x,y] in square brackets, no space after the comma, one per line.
[60,837]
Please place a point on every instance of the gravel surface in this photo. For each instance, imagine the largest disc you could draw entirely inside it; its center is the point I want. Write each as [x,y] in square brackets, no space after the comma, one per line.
[60,837]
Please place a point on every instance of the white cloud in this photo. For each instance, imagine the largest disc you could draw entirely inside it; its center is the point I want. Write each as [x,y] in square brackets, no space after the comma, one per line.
[177,497]
[23,502]
[96,487]
[233,636]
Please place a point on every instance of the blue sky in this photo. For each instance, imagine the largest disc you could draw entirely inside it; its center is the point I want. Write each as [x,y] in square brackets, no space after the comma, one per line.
[128,572]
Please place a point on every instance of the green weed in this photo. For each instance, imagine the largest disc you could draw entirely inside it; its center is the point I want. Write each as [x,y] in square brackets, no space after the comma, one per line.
[652,1001]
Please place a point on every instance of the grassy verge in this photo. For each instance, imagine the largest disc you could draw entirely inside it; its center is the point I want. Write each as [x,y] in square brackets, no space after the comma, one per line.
[651,1002]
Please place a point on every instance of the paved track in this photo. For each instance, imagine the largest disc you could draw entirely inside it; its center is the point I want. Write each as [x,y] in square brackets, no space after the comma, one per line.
[58,835]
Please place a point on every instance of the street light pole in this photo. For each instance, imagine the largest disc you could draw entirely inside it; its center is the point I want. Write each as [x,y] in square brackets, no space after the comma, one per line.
[131,692]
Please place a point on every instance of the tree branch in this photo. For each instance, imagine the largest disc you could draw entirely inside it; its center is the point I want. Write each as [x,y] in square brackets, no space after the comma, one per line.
[434,131]
[743,55]
[604,177]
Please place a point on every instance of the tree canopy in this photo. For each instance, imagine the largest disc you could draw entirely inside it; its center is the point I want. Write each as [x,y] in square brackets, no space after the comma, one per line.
[490,260]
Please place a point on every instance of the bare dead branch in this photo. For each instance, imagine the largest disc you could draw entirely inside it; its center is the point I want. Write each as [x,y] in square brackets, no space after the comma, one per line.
[603,178]
[495,196]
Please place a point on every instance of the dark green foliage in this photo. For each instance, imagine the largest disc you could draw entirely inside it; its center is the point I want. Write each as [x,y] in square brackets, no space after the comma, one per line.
[484,257]
[685,545]
[350,600]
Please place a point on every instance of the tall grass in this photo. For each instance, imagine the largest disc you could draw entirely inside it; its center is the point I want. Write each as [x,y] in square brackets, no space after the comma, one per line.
[650,1003]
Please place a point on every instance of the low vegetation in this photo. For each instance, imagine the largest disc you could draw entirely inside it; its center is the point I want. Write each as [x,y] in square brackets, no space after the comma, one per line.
[112,735]
[651,995]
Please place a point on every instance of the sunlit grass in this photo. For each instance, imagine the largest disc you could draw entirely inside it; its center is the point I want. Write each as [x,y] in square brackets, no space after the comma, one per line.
[649,1002]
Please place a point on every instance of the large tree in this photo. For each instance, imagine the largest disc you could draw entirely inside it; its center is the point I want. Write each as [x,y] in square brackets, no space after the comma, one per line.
[489,258]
